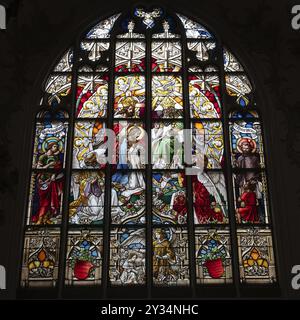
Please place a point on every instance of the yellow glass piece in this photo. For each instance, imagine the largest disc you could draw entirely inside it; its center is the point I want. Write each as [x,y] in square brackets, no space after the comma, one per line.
[254,254]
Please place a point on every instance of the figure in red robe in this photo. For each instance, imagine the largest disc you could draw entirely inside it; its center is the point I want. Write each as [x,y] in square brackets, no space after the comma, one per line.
[248,204]
[49,191]
[180,207]
[204,204]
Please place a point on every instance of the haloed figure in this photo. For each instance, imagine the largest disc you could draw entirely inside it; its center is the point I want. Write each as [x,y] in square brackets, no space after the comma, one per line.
[88,203]
[163,256]
[49,186]
[248,157]
[50,159]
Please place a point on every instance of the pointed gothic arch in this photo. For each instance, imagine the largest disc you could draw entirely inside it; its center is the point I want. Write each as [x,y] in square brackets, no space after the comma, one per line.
[127,224]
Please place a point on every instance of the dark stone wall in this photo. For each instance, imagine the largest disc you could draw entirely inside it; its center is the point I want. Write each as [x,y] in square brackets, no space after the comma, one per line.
[259,32]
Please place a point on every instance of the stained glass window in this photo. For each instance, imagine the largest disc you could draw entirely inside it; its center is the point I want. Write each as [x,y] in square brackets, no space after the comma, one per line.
[148,164]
